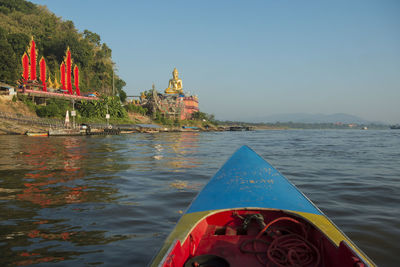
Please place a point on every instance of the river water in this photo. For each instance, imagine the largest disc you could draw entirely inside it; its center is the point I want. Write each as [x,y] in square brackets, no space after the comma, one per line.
[112,200]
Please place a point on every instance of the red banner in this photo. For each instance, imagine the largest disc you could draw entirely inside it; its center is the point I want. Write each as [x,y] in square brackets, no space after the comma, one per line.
[42,64]
[62,75]
[76,80]
[33,54]
[25,66]
[69,63]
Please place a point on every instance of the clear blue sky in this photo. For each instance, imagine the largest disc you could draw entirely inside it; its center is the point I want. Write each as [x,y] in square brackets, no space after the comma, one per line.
[246,59]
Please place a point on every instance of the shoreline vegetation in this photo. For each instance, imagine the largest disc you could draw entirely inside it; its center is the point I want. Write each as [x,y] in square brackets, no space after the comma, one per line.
[19,115]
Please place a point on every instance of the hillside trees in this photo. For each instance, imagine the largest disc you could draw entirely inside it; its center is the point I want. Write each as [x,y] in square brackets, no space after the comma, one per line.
[21,19]
[203,116]
[7,6]
[98,109]
[8,65]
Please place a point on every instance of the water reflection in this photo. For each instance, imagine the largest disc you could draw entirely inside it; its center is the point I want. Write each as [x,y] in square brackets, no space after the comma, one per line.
[42,190]
[112,200]
[173,151]
[45,185]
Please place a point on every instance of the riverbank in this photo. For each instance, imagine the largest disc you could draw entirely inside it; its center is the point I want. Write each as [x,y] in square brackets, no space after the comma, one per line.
[17,118]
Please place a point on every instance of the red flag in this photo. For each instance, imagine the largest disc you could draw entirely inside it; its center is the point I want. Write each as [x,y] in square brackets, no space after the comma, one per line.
[69,63]
[33,53]
[62,74]
[42,64]
[76,80]
[25,66]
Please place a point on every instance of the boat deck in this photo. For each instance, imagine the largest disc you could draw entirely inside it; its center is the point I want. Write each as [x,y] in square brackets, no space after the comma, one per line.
[238,238]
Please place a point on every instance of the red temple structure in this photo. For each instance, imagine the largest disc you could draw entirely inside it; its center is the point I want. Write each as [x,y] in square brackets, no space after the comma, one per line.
[42,64]
[33,56]
[190,106]
[62,76]
[25,66]
[68,62]
[76,80]
[38,86]
[29,73]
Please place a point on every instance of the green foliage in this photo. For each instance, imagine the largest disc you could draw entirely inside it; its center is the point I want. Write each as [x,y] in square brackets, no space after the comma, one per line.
[8,6]
[122,95]
[98,109]
[4,10]
[136,109]
[27,102]
[95,110]
[148,94]
[54,108]
[201,116]
[8,63]
[119,84]
[19,42]
[159,118]
[21,19]
[94,38]
[50,110]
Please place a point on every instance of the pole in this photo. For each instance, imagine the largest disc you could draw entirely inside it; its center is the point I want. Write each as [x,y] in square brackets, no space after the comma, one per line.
[73,112]
[107,115]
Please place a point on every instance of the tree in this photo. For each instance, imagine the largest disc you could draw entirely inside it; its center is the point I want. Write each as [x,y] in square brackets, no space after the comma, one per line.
[54,108]
[106,50]
[18,5]
[98,109]
[94,38]
[8,62]
[19,42]
[122,95]
[204,116]
[119,84]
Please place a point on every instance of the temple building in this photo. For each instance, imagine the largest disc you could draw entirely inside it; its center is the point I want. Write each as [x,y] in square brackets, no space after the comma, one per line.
[174,103]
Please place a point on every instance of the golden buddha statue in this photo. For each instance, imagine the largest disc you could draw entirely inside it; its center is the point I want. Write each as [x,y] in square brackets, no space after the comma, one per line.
[175,84]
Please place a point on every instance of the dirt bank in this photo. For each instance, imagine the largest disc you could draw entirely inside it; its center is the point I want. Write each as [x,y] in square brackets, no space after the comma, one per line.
[18,108]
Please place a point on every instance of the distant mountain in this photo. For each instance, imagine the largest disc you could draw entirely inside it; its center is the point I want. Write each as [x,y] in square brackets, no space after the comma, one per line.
[312,118]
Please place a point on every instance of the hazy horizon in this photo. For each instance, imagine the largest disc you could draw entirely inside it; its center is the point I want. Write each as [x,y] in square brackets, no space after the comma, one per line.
[255,58]
[308,118]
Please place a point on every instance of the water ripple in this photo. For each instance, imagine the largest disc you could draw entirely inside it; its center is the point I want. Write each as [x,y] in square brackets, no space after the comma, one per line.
[112,200]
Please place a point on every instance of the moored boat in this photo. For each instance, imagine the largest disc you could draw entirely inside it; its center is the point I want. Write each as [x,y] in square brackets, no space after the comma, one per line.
[190,129]
[37,134]
[251,215]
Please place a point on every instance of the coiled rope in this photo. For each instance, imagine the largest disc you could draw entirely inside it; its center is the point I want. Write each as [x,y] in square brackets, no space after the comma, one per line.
[285,250]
